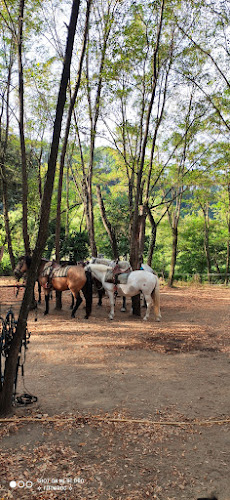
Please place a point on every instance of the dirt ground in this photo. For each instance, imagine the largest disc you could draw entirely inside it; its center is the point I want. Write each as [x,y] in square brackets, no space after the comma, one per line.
[126,409]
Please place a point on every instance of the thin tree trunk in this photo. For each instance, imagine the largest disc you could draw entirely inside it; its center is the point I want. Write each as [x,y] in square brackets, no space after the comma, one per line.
[3,171]
[108,227]
[135,224]
[94,115]
[174,255]
[64,147]
[6,214]
[228,240]
[11,362]
[206,243]
[67,203]
[21,131]
[152,242]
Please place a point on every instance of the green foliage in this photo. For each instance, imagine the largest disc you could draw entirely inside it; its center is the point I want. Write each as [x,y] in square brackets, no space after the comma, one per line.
[75,247]
[191,256]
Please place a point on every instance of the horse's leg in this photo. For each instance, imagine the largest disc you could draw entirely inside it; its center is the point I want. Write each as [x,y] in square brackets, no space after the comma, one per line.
[72,301]
[156,301]
[88,293]
[47,296]
[78,303]
[149,300]
[100,295]
[111,299]
[123,309]
[58,300]
[144,303]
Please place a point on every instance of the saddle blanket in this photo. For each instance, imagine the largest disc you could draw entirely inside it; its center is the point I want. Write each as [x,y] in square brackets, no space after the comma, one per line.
[58,272]
[120,279]
[61,272]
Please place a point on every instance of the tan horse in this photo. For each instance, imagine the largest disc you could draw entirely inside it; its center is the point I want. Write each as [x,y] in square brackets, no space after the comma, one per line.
[52,275]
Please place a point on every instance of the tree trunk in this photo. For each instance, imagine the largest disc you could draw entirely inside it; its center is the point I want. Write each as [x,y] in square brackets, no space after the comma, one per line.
[228,241]
[6,213]
[3,151]
[11,362]
[109,229]
[67,203]
[21,131]
[94,115]
[135,262]
[206,244]
[135,225]
[152,242]
[227,257]
[174,255]
[67,129]
[142,224]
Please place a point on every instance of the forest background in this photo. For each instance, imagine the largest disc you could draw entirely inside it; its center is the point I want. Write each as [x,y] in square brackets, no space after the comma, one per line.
[143,163]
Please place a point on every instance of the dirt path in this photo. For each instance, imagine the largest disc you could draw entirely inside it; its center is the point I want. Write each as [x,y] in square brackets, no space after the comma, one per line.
[86,372]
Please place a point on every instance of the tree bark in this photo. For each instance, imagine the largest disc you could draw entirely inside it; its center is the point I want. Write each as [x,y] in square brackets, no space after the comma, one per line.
[94,115]
[206,242]
[21,131]
[64,148]
[3,151]
[108,227]
[228,240]
[174,255]
[67,129]
[135,219]
[152,242]
[11,362]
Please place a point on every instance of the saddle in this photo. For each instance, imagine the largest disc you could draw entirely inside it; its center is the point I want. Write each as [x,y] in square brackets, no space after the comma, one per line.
[117,275]
[51,270]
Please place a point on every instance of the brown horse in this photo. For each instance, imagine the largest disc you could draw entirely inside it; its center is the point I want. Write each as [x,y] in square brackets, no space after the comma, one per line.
[51,275]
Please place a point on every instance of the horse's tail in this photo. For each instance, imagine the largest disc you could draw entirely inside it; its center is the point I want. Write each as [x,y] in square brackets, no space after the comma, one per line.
[156,300]
[88,293]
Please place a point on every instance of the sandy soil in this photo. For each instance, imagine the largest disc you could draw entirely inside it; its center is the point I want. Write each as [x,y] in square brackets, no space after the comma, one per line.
[126,409]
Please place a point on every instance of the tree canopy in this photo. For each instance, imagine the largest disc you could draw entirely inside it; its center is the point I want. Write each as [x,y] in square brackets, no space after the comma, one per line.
[143,165]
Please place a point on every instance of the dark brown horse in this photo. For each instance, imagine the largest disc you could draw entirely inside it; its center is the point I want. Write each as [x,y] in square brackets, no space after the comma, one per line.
[51,275]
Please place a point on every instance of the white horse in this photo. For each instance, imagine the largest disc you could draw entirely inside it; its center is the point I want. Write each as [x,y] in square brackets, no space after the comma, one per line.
[125,266]
[138,281]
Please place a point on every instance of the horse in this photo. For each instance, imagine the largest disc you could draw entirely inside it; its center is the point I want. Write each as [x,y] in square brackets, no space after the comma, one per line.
[125,266]
[53,276]
[137,281]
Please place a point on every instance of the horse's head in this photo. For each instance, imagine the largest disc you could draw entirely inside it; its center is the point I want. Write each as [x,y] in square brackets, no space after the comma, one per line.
[22,267]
